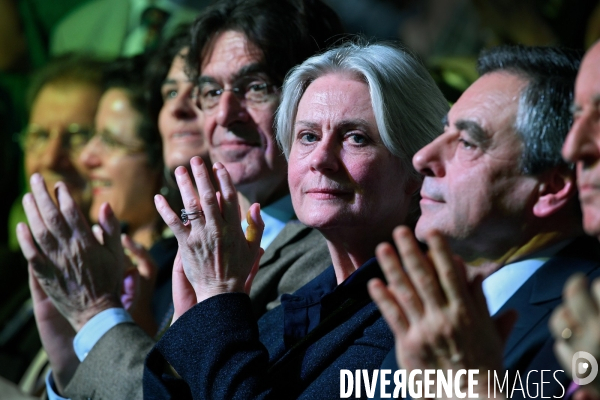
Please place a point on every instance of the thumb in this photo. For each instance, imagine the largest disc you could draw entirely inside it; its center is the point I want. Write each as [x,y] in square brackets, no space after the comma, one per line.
[111,228]
[145,264]
[253,272]
[37,292]
[255,228]
[184,296]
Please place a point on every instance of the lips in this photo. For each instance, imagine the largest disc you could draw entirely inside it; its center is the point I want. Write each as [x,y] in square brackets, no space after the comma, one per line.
[588,191]
[236,142]
[430,198]
[328,193]
[184,135]
[99,183]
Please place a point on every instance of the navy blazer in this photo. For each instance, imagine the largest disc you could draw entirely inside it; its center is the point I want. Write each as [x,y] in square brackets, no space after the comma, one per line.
[220,351]
[529,344]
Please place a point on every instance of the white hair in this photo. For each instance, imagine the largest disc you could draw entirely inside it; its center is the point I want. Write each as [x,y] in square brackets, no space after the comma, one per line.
[407,104]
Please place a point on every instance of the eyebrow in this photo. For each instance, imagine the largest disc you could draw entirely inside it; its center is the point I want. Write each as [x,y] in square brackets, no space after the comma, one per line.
[171,81]
[254,68]
[574,107]
[344,124]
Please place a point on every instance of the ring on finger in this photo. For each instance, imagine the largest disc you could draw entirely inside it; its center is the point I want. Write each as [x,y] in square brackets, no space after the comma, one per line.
[185,215]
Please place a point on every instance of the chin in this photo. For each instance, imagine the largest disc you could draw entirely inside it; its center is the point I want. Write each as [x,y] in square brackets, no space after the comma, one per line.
[591,223]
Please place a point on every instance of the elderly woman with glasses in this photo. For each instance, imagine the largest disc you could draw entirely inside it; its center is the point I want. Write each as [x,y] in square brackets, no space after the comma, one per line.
[349,122]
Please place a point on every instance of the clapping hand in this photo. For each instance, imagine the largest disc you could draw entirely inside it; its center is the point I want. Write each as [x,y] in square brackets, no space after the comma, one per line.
[215,256]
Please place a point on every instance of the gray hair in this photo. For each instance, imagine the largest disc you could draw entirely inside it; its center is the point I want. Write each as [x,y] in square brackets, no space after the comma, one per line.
[407,104]
[544,117]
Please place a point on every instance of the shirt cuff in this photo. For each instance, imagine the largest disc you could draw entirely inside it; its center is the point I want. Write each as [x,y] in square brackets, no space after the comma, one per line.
[51,388]
[95,328]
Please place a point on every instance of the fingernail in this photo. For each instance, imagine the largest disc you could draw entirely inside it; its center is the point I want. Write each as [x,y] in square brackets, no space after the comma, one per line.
[196,161]
[27,198]
[156,198]
[35,178]
[218,165]
[180,171]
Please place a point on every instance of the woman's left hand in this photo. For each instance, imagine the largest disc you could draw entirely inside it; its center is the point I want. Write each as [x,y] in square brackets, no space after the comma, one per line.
[215,254]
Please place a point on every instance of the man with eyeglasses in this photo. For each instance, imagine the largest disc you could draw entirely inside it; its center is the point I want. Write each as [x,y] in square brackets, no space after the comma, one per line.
[63,98]
[247,47]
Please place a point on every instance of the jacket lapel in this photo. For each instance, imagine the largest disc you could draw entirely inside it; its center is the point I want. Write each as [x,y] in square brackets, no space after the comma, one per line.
[536,299]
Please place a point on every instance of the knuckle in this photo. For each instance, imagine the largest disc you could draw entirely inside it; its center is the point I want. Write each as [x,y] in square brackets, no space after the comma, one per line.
[192,204]
[53,218]
[209,198]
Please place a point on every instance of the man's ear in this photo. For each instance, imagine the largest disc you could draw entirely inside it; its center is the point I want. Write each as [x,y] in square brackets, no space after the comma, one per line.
[556,189]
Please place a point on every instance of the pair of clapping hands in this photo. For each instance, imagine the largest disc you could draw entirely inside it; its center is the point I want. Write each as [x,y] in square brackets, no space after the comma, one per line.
[440,318]
[77,271]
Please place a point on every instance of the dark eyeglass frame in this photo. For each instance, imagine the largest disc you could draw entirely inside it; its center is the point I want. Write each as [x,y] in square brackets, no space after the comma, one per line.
[37,139]
[253,91]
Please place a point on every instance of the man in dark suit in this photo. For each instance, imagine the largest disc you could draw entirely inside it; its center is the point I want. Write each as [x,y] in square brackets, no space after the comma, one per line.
[240,136]
[497,188]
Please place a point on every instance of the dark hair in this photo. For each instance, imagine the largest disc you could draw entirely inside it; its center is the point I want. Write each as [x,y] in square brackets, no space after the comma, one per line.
[159,65]
[128,74]
[66,69]
[286,31]
[544,117]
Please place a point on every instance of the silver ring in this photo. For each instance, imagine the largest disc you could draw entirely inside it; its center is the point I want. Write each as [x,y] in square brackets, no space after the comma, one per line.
[185,215]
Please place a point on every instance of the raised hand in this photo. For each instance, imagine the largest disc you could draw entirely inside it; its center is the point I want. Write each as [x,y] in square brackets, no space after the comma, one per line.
[439,319]
[575,326]
[82,275]
[216,257]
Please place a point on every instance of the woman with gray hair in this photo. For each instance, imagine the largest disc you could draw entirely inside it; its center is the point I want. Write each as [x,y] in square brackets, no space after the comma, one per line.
[349,123]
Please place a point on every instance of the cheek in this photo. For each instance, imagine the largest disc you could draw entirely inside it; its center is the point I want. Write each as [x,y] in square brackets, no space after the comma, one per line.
[31,165]
[295,174]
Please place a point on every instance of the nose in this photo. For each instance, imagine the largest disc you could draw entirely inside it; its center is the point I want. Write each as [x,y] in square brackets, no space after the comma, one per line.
[56,156]
[325,158]
[429,161]
[230,109]
[90,155]
[183,106]
[582,142]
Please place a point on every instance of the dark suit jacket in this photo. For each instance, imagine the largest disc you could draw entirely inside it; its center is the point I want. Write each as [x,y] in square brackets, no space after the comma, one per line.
[221,353]
[113,368]
[529,344]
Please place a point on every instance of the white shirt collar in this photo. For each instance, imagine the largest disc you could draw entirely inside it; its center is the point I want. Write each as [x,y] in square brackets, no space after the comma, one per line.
[502,284]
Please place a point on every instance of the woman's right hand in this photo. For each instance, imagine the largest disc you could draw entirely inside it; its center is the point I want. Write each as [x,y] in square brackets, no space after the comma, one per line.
[216,256]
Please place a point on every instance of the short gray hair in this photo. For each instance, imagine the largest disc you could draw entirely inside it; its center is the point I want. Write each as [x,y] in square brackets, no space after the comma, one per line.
[407,104]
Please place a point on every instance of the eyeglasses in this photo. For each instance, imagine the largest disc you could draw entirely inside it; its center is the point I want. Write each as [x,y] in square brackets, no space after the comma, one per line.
[109,141]
[35,139]
[253,92]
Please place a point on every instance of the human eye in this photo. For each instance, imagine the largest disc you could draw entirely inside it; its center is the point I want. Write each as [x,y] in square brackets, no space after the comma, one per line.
[466,144]
[169,93]
[210,91]
[79,137]
[357,138]
[307,137]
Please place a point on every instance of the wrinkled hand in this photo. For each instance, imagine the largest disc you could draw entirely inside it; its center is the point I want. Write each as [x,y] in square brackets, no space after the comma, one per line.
[439,319]
[81,275]
[56,334]
[216,257]
[575,326]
